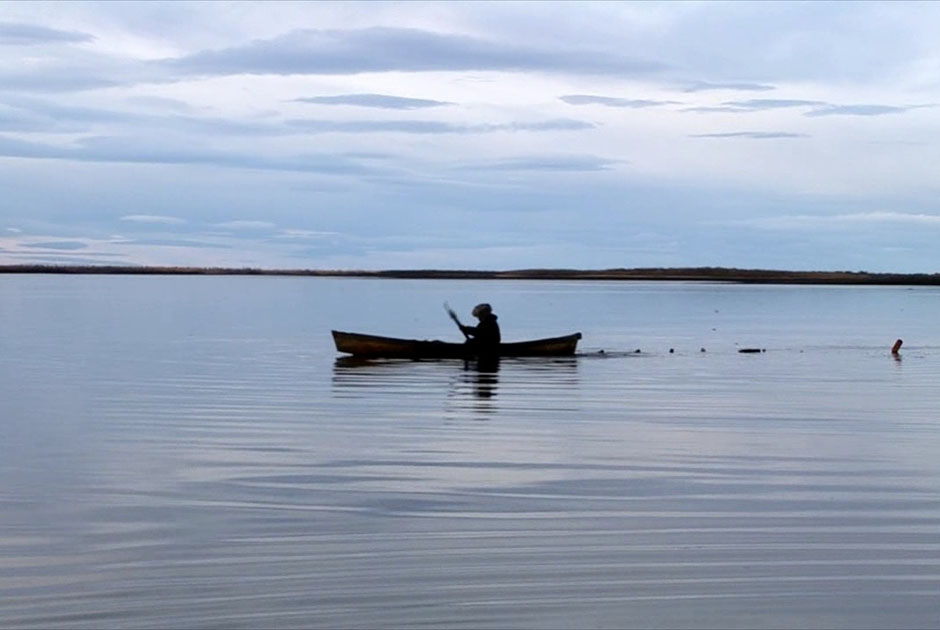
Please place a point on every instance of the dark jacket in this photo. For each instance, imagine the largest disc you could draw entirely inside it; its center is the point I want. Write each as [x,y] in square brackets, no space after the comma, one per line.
[485,335]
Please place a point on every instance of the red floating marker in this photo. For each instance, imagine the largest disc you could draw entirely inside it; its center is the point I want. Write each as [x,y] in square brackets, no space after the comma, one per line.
[896,346]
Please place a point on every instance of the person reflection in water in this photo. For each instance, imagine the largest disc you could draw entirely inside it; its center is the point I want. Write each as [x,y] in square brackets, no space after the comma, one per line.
[487,377]
[484,338]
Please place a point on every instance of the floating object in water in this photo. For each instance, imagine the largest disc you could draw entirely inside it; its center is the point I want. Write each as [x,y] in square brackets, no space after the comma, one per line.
[751,350]
[702,350]
[671,350]
[896,346]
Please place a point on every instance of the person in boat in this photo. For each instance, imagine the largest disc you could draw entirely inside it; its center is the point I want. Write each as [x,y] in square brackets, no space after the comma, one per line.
[484,337]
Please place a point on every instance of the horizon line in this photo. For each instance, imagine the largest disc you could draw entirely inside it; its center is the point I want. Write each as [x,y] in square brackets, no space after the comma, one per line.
[704,273]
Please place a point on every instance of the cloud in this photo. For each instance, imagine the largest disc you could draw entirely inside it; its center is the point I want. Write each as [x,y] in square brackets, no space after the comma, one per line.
[32,114]
[307,51]
[753,135]
[610,101]
[754,105]
[819,108]
[858,110]
[56,115]
[152,218]
[892,217]
[704,86]
[245,225]
[54,70]
[306,234]
[12,33]
[87,258]
[63,245]
[174,242]
[382,101]
[573,163]
[432,126]
[132,151]
[14,119]
[12,147]
[713,109]
[61,79]
[372,126]
[556,124]
[14,230]
[38,114]
[160,102]
[804,221]
[759,104]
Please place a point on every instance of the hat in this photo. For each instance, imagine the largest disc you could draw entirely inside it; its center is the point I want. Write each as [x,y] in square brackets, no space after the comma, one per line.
[481,309]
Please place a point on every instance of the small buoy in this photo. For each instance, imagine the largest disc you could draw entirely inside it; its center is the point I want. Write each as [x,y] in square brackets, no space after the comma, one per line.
[637,351]
[702,350]
[896,346]
[671,350]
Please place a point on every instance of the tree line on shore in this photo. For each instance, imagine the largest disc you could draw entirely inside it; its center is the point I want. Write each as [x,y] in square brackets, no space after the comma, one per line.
[721,274]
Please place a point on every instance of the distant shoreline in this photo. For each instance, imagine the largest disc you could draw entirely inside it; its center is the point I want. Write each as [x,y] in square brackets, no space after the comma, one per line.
[686,274]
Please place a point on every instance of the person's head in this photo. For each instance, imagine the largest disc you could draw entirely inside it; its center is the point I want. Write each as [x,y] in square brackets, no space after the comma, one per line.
[481,310]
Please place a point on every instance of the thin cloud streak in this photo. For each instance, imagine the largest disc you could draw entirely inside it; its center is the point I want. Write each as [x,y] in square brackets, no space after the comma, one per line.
[122,150]
[150,218]
[246,225]
[41,114]
[610,101]
[58,245]
[759,104]
[751,135]
[571,163]
[306,234]
[57,80]
[857,110]
[17,34]
[706,86]
[816,108]
[432,126]
[811,222]
[380,101]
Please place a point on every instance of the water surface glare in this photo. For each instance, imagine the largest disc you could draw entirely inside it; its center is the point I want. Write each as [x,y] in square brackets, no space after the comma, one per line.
[191,452]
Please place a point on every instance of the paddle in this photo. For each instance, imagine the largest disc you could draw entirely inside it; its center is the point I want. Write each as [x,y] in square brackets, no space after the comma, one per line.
[453,316]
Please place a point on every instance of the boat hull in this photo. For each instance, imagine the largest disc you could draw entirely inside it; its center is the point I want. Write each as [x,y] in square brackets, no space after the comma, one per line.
[375,346]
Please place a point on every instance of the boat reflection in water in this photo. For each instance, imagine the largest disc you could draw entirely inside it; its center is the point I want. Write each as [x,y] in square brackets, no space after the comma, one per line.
[390,379]
[430,387]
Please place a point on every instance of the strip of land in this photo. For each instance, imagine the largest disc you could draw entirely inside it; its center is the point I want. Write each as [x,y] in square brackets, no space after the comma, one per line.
[686,274]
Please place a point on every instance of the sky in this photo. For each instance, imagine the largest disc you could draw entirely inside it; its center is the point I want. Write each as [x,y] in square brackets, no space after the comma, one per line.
[471,135]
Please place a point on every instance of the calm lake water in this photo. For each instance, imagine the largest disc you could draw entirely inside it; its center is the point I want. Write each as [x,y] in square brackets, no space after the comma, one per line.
[187,452]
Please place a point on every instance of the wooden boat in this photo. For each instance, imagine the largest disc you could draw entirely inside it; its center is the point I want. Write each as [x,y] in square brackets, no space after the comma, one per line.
[388,347]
